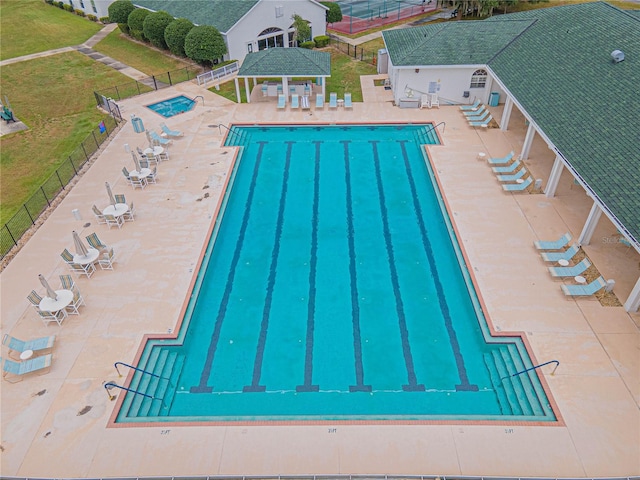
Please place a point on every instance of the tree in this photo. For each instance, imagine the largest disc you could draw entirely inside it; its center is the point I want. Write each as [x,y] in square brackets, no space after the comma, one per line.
[302,29]
[175,34]
[136,23]
[334,14]
[154,26]
[204,44]
[119,13]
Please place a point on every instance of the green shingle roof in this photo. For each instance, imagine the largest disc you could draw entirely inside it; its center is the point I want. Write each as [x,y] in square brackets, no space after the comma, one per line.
[289,62]
[557,64]
[222,14]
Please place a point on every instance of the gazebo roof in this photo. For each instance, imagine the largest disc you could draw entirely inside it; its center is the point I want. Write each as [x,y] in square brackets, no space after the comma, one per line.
[286,62]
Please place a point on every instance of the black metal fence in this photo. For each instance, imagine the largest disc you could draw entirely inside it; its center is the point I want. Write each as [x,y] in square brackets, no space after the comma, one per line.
[148,84]
[354,51]
[13,230]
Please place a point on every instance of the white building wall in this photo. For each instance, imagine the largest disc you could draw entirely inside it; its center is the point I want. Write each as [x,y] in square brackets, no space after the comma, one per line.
[451,83]
[99,8]
[273,14]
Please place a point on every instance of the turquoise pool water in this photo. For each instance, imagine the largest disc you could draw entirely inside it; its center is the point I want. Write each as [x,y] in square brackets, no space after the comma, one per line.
[173,106]
[333,288]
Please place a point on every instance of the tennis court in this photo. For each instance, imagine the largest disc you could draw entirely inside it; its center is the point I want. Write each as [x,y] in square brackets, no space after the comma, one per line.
[361,15]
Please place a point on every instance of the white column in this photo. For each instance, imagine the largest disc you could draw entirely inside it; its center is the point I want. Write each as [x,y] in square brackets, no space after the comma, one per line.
[506,113]
[487,89]
[247,89]
[528,140]
[285,89]
[235,81]
[633,302]
[554,177]
[590,224]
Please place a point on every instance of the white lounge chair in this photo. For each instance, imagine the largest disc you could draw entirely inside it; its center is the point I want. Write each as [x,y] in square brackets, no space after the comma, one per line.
[282,102]
[304,101]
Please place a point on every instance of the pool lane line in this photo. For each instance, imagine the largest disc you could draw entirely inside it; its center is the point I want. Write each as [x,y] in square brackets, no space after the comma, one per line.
[412,385]
[206,369]
[271,281]
[444,307]
[355,307]
[313,262]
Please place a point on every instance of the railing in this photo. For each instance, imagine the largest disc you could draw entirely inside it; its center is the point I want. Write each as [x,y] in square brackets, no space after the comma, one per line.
[12,231]
[354,51]
[533,368]
[218,73]
[137,369]
[432,127]
[196,99]
[231,131]
[113,384]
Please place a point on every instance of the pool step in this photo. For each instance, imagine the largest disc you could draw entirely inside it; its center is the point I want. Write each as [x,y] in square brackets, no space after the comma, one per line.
[503,401]
[533,396]
[136,383]
[147,383]
[158,385]
[506,385]
[168,389]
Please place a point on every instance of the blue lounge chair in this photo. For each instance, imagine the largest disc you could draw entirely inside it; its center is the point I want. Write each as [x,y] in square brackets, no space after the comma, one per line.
[295,101]
[517,187]
[474,106]
[480,117]
[508,168]
[562,242]
[512,178]
[22,368]
[319,101]
[347,101]
[475,113]
[158,139]
[282,103]
[502,160]
[568,254]
[169,132]
[577,269]
[483,123]
[35,345]
[333,100]
[584,290]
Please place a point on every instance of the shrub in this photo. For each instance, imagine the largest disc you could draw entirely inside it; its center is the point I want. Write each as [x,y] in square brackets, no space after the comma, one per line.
[79,12]
[60,5]
[321,41]
[310,45]
[136,23]
[334,14]
[124,28]
[105,20]
[154,26]
[68,8]
[92,17]
[49,2]
[119,11]
[175,34]
[204,44]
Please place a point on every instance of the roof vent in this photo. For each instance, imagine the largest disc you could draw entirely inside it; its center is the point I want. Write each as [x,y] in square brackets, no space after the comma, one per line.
[617,56]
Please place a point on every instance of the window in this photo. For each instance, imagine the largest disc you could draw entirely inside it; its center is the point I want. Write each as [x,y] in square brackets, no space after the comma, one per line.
[478,79]
[81,4]
[279,11]
[249,47]
[93,5]
[270,38]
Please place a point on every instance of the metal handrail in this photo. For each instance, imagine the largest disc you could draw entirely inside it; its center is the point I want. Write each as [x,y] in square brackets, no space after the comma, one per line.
[113,384]
[228,129]
[196,99]
[533,368]
[436,126]
[138,369]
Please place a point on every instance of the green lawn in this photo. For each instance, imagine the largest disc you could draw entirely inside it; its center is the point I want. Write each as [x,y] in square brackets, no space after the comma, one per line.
[60,111]
[31,26]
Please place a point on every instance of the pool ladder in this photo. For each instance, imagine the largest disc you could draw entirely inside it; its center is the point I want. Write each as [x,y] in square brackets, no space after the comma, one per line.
[533,368]
[196,99]
[242,135]
[109,385]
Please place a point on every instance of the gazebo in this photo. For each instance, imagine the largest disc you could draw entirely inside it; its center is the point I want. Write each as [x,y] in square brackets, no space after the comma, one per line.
[283,64]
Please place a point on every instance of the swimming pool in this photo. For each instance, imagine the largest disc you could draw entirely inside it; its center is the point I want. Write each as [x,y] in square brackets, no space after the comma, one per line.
[173,106]
[333,288]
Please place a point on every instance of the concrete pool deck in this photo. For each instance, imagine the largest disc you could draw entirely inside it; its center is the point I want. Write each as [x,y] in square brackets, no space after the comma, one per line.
[56,425]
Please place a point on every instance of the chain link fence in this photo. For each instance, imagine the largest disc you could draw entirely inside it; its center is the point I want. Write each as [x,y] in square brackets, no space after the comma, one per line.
[355,51]
[15,228]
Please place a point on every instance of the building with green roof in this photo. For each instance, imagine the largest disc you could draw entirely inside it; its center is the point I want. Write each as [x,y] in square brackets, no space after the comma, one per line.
[572,71]
[246,25]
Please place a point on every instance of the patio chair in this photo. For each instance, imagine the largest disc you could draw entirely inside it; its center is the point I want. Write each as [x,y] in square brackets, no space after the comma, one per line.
[507,168]
[282,102]
[125,172]
[347,101]
[144,162]
[319,101]
[295,101]
[48,317]
[577,269]
[99,215]
[517,187]
[19,369]
[512,178]
[483,123]
[304,102]
[128,216]
[37,345]
[138,182]
[106,259]
[151,178]
[568,254]
[67,283]
[140,151]
[34,299]
[584,290]
[474,106]
[87,269]
[502,160]
[120,198]
[434,101]
[157,139]
[562,242]
[333,100]
[169,132]
[95,242]
[113,221]
[424,101]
